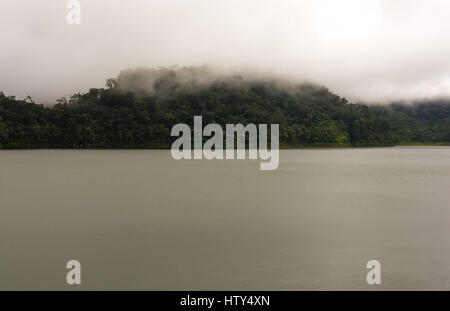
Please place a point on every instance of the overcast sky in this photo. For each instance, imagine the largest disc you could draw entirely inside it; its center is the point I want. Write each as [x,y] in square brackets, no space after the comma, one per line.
[372,50]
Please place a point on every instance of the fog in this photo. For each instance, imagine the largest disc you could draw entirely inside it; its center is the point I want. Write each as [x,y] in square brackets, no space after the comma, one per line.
[371,50]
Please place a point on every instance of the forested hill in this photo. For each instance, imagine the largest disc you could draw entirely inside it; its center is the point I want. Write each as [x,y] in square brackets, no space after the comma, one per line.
[419,122]
[120,117]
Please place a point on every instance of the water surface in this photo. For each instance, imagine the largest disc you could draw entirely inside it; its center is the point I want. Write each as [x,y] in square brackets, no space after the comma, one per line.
[137,219]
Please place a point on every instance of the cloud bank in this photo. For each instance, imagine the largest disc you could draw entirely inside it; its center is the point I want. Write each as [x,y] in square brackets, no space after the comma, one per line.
[372,50]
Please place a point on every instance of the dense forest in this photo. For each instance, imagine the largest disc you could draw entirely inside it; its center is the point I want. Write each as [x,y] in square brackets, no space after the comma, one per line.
[118,116]
[419,122]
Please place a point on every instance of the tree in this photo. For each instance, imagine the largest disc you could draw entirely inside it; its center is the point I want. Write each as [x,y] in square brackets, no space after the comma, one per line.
[3,133]
[111,83]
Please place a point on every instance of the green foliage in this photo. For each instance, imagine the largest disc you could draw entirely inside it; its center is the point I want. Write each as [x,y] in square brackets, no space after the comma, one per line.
[111,117]
[427,121]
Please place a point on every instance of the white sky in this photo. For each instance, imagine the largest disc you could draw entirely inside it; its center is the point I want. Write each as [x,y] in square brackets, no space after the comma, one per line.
[372,50]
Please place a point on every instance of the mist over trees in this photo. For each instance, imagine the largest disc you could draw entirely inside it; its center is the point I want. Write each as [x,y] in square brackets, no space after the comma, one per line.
[421,121]
[139,108]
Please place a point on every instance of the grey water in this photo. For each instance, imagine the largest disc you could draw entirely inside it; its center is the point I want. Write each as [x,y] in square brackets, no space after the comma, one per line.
[139,220]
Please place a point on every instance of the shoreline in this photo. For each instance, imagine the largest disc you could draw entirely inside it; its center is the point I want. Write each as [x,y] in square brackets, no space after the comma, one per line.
[285,147]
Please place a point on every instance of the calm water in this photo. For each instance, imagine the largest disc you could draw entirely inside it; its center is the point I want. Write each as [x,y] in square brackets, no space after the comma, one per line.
[140,220]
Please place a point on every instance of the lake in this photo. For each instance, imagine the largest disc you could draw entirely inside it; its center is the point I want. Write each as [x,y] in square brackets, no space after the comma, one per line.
[137,219]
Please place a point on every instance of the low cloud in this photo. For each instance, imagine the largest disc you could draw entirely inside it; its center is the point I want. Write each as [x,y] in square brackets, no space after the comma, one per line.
[372,50]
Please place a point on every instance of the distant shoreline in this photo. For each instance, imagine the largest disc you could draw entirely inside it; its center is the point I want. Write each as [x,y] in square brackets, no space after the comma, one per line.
[285,147]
